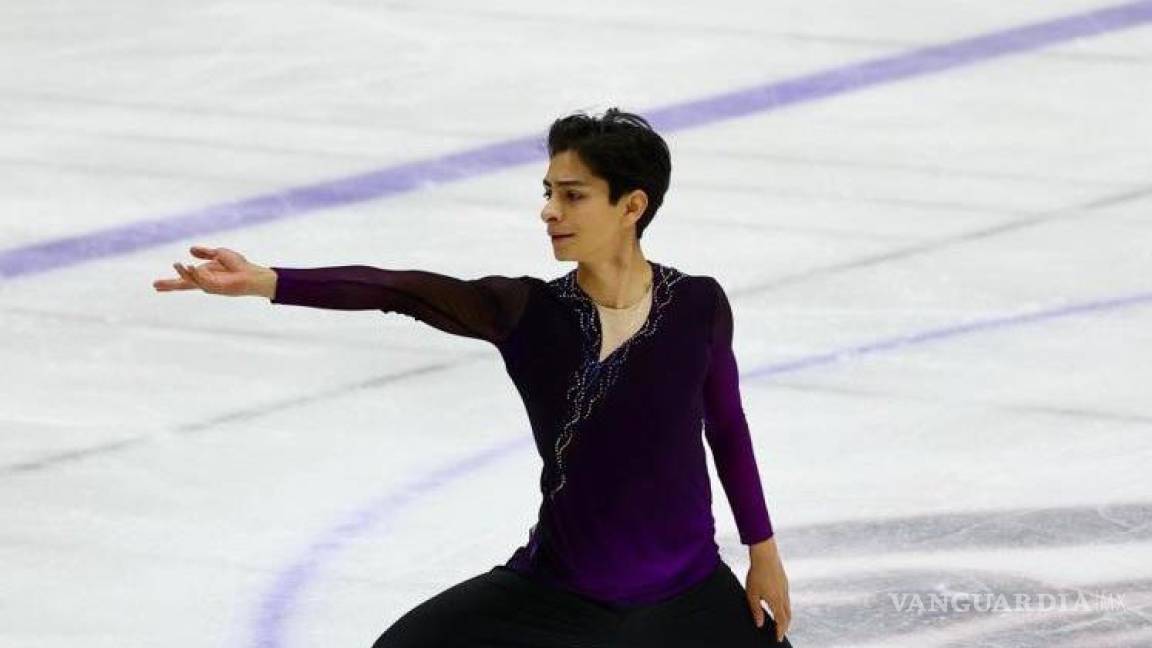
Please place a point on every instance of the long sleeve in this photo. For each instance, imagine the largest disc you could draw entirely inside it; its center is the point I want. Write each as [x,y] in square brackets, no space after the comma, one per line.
[726,429]
[487,308]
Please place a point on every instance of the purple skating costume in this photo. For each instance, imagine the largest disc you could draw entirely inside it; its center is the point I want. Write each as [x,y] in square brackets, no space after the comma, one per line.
[626,509]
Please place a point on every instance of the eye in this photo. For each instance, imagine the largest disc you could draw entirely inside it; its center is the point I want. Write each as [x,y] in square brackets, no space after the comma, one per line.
[572,195]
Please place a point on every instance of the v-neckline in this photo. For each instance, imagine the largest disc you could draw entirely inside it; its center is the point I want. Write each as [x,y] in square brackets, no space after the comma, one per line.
[598,328]
[648,295]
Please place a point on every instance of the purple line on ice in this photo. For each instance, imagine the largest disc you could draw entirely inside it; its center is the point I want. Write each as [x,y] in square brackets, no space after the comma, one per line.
[278,604]
[955,330]
[897,67]
[390,181]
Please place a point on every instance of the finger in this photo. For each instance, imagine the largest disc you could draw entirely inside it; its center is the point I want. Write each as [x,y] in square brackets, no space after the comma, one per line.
[757,610]
[228,260]
[163,285]
[199,276]
[204,252]
[208,280]
[187,275]
[782,615]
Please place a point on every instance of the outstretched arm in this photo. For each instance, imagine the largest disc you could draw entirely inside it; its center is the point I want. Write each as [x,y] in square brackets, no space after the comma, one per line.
[486,308]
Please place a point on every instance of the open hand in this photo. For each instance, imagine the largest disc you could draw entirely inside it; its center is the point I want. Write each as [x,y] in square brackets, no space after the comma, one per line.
[227,273]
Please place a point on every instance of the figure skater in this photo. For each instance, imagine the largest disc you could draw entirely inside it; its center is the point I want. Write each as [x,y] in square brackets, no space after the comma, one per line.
[620,363]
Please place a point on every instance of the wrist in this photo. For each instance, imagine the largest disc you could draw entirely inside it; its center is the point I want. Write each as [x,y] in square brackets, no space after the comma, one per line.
[764,548]
[265,282]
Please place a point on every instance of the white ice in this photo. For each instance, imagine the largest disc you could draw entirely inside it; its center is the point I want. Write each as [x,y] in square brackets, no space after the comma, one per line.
[175,468]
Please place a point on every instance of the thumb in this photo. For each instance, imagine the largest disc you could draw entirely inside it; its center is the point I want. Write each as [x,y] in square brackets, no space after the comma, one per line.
[230,259]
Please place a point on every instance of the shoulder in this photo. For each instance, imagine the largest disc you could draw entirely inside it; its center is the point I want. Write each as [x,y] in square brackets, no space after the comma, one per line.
[705,287]
[701,294]
[520,288]
[520,283]
[713,294]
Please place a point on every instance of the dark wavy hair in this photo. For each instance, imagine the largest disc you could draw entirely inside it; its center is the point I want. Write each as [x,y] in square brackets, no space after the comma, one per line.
[623,149]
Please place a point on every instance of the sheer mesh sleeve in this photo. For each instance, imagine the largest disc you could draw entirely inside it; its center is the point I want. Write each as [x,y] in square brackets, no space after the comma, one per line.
[487,308]
[727,432]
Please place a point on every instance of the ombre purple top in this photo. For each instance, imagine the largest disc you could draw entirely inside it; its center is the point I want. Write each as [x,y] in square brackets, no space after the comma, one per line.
[626,505]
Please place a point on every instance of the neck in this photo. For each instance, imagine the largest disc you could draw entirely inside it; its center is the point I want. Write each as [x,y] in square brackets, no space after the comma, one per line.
[618,281]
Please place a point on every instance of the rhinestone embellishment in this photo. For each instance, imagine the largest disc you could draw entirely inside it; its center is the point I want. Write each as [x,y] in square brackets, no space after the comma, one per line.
[593,377]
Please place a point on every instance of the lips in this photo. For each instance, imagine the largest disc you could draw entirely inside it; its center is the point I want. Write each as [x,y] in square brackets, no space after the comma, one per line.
[561,237]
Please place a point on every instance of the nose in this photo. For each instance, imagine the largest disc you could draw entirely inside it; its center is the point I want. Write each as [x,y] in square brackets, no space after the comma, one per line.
[549,212]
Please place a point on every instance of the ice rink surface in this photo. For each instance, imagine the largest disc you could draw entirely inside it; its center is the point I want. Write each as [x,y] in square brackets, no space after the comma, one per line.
[934,221]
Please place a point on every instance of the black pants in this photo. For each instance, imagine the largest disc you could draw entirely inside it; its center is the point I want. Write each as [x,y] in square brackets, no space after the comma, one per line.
[505,609]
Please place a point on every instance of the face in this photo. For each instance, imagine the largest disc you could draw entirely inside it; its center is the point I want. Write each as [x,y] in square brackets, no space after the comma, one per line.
[578,207]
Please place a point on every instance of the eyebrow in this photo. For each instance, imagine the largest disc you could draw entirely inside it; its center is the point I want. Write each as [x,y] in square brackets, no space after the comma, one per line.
[565,182]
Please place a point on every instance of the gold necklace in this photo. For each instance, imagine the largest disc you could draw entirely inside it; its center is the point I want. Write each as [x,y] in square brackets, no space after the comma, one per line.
[647,289]
[634,316]
[634,305]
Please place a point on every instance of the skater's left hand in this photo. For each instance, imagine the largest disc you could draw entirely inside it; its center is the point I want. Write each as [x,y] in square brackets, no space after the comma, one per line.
[767,582]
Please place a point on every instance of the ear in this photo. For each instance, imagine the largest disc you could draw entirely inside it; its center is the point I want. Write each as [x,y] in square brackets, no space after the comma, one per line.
[635,205]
